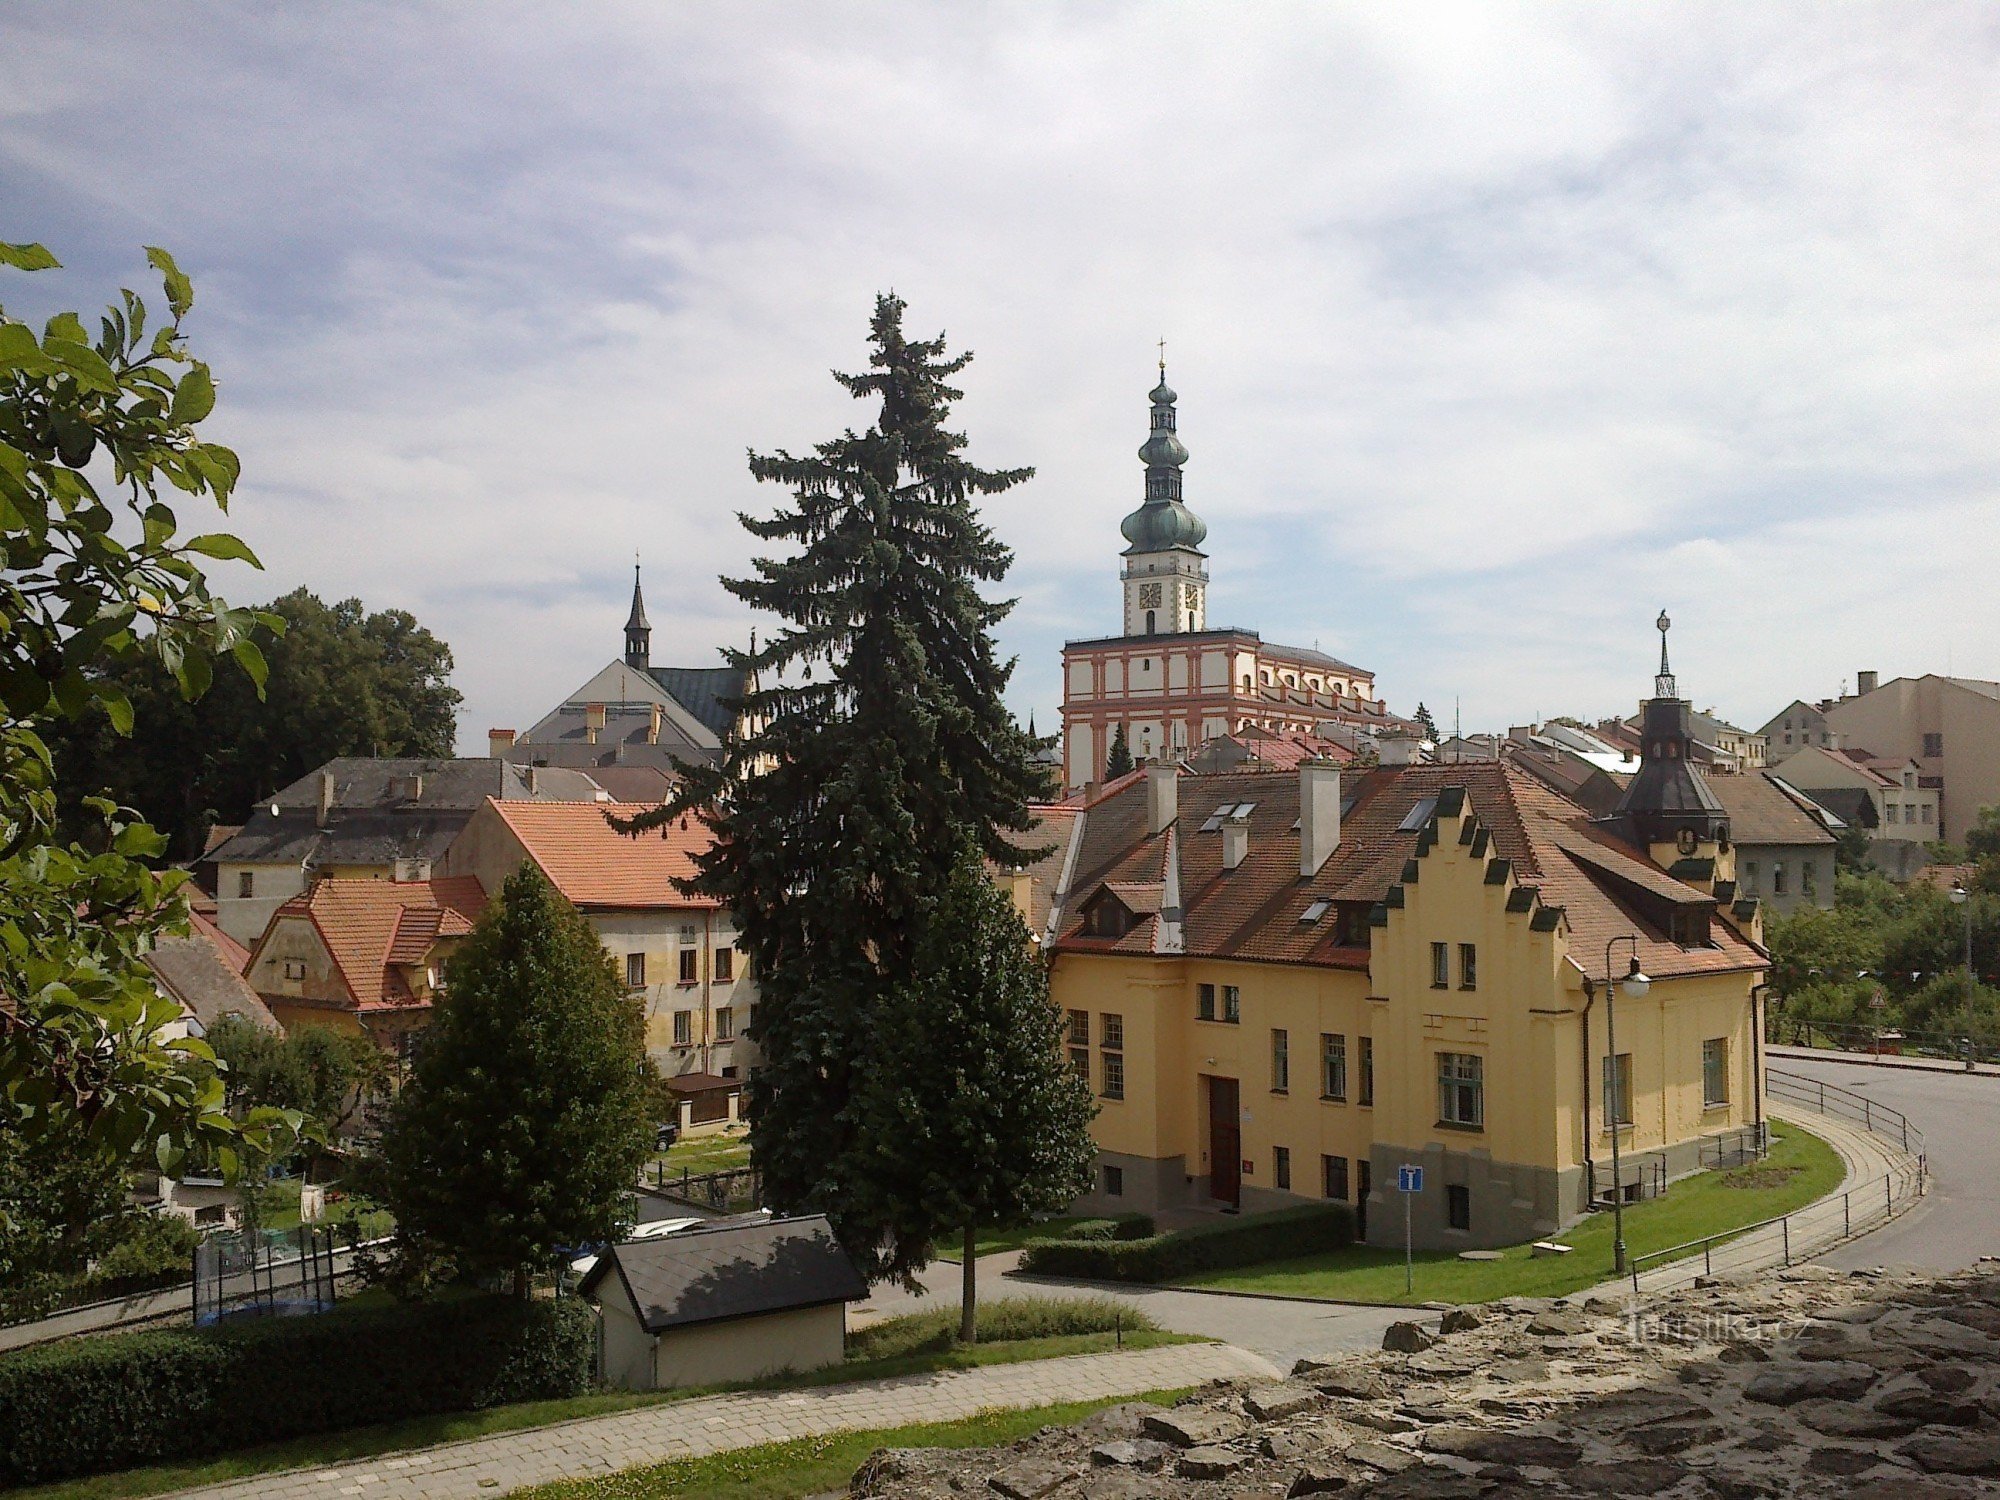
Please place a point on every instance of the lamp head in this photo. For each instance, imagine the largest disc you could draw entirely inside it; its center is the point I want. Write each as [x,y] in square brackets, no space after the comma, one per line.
[1635,983]
[1958,895]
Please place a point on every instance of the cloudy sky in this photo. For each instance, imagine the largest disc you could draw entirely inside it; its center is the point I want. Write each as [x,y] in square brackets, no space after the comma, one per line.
[1496,329]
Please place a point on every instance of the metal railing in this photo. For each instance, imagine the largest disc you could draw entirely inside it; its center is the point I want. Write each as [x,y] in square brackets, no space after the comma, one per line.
[1806,1231]
[737,1188]
[1878,1041]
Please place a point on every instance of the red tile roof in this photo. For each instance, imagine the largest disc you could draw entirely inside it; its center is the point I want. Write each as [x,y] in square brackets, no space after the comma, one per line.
[1255,910]
[371,926]
[595,865]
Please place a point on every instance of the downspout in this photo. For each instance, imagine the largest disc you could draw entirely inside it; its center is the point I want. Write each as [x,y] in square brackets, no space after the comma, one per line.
[1757,1056]
[1589,1162]
[707,967]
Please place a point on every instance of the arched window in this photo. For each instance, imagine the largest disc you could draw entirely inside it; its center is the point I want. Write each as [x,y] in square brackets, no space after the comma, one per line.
[1149,622]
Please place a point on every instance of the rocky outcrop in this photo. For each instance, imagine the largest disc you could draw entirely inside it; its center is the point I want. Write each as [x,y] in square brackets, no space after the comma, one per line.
[1804,1382]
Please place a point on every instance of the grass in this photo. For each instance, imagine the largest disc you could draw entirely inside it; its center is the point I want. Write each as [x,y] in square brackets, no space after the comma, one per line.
[724,1152]
[1022,1328]
[1800,1168]
[817,1465]
[997,1241]
[281,1211]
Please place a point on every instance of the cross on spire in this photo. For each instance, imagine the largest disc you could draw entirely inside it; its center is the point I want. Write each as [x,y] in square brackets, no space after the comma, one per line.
[1163,359]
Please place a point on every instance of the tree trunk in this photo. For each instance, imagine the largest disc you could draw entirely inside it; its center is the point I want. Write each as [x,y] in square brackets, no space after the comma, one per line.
[968,1316]
[521,1282]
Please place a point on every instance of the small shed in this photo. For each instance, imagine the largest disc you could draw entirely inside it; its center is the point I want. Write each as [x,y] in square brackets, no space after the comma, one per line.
[708,1102]
[736,1302]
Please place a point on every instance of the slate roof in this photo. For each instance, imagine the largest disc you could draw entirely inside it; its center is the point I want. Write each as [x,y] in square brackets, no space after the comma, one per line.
[595,865]
[702,691]
[635,783]
[1254,911]
[204,972]
[369,927]
[732,1271]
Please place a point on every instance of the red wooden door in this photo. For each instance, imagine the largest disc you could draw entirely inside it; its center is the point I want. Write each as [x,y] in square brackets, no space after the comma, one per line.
[1225,1141]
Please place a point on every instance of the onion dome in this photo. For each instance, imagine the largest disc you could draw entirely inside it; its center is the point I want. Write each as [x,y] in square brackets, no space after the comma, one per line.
[1163,522]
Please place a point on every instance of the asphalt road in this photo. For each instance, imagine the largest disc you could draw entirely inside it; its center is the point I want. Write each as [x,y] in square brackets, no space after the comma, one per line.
[1959,1114]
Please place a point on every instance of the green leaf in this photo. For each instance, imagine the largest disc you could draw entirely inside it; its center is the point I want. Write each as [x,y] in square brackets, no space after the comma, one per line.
[82,361]
[194,397]
[180,291]
[28,257]
[251,660]
[224,547]
[66,325]
[117,707]
[19,348]
[194,674]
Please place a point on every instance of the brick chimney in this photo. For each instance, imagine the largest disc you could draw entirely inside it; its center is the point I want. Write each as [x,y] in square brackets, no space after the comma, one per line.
[1319,814]
[499,742]
[325,797]
[1866,683]
[1162,797]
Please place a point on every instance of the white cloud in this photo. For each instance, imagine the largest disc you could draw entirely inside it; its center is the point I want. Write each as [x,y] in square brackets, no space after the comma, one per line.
[1496,328]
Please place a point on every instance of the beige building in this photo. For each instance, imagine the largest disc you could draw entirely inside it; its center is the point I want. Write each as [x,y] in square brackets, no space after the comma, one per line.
[1795,726]
[1884,794]
[677,951]
[736,1302]
[1948,727]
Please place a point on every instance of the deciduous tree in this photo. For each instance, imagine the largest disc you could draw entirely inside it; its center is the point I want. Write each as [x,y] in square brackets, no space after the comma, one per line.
[528,1114]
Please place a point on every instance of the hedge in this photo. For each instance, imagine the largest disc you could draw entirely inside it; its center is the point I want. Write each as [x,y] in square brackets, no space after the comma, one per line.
[1306,1230]
[1122,1227]
[87,1406]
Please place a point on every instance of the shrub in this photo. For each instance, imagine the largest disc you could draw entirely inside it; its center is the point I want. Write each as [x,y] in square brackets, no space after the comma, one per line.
[92,1405]
[1122,1227]
[1003,1321]
[1306,1230]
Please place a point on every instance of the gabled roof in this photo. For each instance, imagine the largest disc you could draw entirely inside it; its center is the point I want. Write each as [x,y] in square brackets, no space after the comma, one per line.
[732,1271]
[595,865]
[369,927]
[1760,811]
[704,692]
[1254,911]
[202,971]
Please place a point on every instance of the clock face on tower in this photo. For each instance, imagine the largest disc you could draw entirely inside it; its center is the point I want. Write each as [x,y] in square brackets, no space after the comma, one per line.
[1149,596]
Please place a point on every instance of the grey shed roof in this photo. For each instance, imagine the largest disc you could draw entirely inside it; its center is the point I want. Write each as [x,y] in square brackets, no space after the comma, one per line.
[197,974]
[731,1271]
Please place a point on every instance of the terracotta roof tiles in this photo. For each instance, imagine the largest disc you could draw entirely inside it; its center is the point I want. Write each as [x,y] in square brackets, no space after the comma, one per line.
[595,865]
[369,927]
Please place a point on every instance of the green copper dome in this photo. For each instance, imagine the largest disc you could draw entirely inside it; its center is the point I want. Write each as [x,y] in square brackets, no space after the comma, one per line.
[1163,522]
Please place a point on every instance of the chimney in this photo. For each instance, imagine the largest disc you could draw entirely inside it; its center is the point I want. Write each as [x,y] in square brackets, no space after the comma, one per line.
[1235,842]
[593,721]
[325,797]
[499,742]
[1865,683]
[1319,814]
[653,730]
[1397,750]
[1162,797]
[531,781]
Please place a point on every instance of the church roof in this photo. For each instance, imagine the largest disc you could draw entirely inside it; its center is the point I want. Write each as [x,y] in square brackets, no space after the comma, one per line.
[702,691]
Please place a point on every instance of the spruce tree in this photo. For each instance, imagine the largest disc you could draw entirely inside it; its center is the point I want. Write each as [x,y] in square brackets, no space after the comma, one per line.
[529,1113]
[877,746]
[972,1113]
[1119,761]
[1425,722]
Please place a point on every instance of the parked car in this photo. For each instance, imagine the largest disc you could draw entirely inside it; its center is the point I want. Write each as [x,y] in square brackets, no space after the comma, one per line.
[665,1136]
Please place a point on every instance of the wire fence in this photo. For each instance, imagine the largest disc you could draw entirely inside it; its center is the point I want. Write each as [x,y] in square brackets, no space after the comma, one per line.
[1880,1041]
[1789,1238]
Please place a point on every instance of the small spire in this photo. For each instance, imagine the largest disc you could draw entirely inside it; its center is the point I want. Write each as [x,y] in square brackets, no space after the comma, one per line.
[1663,684]
[1163,361]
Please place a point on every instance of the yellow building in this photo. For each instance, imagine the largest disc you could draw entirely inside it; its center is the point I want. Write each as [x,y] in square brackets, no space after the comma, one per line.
[1285,985]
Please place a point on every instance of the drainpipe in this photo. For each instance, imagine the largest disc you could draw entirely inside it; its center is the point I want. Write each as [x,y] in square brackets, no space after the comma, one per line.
[1589,1162]
[1757,1057]
[707,963]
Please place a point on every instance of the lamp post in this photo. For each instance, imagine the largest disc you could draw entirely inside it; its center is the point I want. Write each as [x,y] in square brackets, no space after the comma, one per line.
[1636,984]
[1962,899]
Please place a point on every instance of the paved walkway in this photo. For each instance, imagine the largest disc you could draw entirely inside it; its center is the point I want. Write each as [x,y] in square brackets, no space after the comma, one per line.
[1789,1055]
[680,1429]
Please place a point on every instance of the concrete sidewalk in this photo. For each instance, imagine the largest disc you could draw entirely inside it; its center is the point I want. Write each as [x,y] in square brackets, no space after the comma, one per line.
[597,1446]
[1882,1060]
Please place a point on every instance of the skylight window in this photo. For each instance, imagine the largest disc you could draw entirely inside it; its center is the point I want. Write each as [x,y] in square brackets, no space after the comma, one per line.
[1227,813]
[1313,912]
[1417,816]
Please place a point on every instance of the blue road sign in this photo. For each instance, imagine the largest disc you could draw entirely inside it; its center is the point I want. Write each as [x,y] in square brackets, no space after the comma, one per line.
[1409,1179]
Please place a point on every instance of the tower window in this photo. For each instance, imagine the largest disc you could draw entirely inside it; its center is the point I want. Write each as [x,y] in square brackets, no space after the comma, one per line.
[1149,622]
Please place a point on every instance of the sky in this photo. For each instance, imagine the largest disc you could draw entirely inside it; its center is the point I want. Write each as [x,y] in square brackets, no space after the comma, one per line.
[1497,329]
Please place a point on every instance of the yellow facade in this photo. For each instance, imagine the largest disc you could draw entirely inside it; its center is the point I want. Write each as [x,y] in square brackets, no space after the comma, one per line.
[1536,992]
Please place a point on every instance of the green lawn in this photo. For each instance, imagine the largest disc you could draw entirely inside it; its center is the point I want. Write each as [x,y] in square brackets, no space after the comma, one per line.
[896,1346]
[818,1465]
[281,1211]
[994,1241]
[1708,1203]
[724,1152]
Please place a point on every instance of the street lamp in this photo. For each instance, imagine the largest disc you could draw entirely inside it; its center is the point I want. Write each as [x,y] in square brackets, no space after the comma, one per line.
[1962,899]
[1635,984]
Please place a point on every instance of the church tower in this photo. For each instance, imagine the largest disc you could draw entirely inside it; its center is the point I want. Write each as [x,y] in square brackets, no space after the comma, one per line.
[1166,572]
[638,634]
[1667,802]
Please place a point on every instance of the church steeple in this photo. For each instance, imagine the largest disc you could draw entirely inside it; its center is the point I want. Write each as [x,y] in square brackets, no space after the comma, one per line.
[638,634]
[1667,797]
[1165,578]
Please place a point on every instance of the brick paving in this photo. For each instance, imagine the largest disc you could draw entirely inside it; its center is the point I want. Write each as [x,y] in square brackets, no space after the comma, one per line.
[712,1424]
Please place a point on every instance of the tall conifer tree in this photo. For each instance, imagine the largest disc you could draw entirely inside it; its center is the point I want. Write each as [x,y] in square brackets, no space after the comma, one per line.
[1118,761]
[878,745]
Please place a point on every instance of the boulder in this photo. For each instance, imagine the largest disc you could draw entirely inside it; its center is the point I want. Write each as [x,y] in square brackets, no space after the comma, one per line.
[1319,1477]
[1846,1419]
[1559,1323]
[1956,1453]
[1786,1385]
[1384,1456]
[1351,1383]
[1210,1461]
[1195,1426]
[1031,1479]
[1461,1320]
[1407,1338]
[1632,1476]
[1132,1453]
[1285,1398]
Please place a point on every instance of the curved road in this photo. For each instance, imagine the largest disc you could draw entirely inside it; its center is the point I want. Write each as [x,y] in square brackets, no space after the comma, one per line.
[1959,1114]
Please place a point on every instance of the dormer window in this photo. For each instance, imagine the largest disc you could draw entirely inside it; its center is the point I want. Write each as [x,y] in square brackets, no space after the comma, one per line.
[1108,918]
